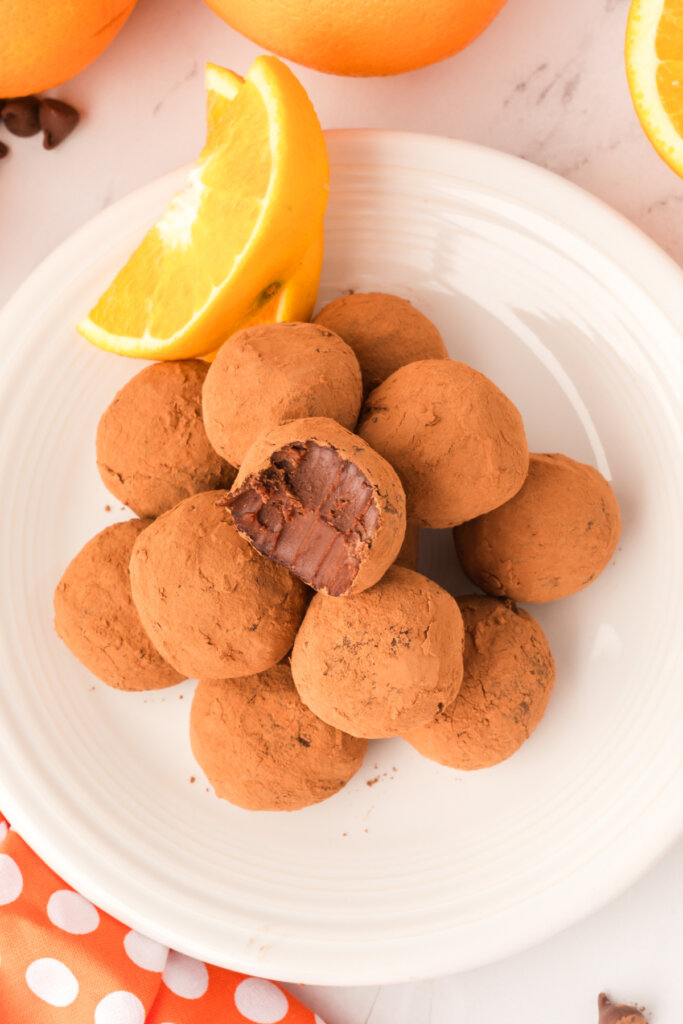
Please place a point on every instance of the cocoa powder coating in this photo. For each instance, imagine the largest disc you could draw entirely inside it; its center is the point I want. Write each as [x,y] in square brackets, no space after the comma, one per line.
[384,331]
[553,538]
[509,676]
[317,499]
[381,662]
[152,448]
[97,620]
[455,440]
[211,604]
[262,749]
[266,375]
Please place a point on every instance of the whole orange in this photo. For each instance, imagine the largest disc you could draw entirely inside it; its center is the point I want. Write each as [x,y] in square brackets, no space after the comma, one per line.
[44,42]
[360,37]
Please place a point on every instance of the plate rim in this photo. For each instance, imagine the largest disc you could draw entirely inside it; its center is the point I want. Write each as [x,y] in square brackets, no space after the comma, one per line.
[659,276]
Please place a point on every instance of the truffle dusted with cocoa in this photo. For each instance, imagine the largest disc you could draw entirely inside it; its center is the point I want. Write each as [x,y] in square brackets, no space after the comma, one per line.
[266,375]
[317,499]
[618,1013]
[381,662]
[384,331]
[553,538]
[262,749]
[97,620]
[152,448]
[209,602]
[509,676]
[455,440]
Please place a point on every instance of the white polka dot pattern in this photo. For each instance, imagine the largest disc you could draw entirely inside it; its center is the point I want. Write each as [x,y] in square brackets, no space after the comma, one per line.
[101,971]
[11,881]
[72,913]
[185,977]
[261,1001]
[52,981]
[144,952]
[120,1008]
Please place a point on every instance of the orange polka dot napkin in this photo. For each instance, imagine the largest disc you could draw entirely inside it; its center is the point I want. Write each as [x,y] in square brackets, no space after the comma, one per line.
[63,961]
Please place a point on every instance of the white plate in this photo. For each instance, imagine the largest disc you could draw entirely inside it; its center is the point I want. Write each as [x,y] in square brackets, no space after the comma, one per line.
[578,317]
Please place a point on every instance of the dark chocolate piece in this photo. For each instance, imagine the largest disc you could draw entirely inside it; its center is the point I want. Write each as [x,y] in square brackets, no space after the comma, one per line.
[618,1013]
[4,150]
[21,116]
[57,119]
[312,511]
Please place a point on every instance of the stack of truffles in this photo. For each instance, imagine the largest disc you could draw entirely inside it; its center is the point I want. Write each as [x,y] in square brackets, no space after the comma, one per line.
[280,491]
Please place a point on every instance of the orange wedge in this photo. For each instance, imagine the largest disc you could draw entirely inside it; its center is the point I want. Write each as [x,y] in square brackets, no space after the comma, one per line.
[654,66]
[296,298]
[237,234]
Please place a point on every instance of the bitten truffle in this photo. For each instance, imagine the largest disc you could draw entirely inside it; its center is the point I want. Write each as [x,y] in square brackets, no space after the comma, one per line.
[381,662]
[552,539]
[152,448]
[266,375]
[384,331]
[509,676]
[618,1013]
[96,618]
[315,498]
[455,440]
[262,749]
[209,602]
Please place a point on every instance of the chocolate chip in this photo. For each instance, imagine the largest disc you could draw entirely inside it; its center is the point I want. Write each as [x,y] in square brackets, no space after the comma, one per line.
[21,116]
[57,120]
[4,150]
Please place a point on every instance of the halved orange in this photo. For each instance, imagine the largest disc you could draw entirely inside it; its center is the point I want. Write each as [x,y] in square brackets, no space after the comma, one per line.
[654,66]
[238,231]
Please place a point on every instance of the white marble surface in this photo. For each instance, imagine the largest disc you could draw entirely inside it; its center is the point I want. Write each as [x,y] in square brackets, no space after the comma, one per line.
[545,82]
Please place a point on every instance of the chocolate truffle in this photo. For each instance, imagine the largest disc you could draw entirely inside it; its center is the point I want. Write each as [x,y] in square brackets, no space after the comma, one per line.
[152,448]
[618,1013]
[509,676]
[381,662]
[455,440]
[384,331]
[209,602]
[410,549]
[315,498]
[262,749]
[96,618]
[266,375]
[553,538]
